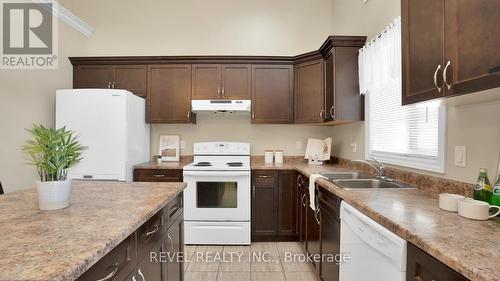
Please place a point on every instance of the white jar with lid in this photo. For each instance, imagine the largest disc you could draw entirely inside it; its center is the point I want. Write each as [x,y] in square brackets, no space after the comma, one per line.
[278,156]
[268,156]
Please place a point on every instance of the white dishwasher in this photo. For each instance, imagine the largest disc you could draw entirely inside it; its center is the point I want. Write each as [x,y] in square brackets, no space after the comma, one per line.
[374,252]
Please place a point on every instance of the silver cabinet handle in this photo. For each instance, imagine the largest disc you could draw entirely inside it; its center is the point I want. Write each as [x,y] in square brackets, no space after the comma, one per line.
[142,275]
[109,85]
[159,175]
[299,178]
[253,191]
[316,215]
[302,200]
[113,85]
[321,114]
[111,274]
[218,91]
[264,177]
[445,75]
[133,278]
[332,112]
[435,78]
[155,229]
[189,114]
[223,92]
[253,115]
[171,241]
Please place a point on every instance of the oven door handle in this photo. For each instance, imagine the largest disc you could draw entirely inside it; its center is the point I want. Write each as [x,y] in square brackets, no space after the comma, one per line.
[217,173]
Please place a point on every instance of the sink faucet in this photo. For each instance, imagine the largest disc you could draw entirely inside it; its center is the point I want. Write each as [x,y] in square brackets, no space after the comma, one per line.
[377,165]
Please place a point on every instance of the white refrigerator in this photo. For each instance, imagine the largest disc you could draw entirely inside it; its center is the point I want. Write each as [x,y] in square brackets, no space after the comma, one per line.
[112,124]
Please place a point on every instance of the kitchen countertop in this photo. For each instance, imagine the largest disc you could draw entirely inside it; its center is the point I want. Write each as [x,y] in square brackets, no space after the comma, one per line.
[62,244]
[470,247]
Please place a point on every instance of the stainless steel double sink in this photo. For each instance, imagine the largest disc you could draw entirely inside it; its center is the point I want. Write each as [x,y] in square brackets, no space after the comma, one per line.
[356,180]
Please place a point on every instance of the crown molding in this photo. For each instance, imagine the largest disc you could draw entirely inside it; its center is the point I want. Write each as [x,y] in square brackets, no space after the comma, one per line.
[69,18]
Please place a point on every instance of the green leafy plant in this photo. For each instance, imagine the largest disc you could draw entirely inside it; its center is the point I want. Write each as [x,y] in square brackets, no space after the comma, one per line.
[53,152]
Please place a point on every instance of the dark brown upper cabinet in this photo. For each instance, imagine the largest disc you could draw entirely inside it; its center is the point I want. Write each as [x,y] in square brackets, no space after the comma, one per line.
[450,47]
[272,94]
[310,92]
[342,101]
[127,77]
[216,81]
[169,94]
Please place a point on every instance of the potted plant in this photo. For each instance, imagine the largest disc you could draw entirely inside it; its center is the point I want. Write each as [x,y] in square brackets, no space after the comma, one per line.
[53,152]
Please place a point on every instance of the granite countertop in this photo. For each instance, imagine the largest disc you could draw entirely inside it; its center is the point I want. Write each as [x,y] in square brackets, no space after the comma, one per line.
[62,244]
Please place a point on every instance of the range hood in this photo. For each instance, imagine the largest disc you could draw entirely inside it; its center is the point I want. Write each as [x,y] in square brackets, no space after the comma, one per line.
[236,106]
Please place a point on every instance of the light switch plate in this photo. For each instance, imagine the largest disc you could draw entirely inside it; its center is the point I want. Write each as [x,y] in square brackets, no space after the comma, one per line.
[460,156]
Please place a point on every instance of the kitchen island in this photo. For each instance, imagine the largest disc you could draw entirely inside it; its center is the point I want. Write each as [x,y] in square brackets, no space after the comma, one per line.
[102,217]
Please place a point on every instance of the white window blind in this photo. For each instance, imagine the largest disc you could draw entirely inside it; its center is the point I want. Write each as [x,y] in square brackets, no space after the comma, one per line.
[411,136]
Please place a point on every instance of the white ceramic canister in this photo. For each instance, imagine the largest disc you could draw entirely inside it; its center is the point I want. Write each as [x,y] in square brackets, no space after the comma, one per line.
[268,156]
[278,156]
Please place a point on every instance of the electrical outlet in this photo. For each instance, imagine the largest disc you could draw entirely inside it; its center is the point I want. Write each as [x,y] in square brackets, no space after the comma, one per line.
[183,144]
[460,156]
[354,146]
[298,144]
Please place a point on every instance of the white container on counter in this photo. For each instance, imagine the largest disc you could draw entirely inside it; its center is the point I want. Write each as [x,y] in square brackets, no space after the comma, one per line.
[278,156]
[268,156]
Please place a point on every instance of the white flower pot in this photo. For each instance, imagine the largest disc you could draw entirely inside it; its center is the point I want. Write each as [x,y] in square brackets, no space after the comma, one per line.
[53,195]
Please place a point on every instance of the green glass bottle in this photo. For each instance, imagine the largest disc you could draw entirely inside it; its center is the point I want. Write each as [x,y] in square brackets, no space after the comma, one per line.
[495,197]
[482,190]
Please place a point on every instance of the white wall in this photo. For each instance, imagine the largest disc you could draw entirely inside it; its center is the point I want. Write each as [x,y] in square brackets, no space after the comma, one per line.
[215,27]
[28,97]
[475,125]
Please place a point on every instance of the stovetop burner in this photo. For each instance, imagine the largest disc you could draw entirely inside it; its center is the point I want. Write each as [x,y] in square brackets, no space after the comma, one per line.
[203,164]
[235,164]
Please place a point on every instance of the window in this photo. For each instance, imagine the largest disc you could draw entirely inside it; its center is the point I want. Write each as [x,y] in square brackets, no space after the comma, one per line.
[411,136]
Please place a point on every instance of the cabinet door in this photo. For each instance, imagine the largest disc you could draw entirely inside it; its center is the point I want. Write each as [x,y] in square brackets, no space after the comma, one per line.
[472,43]
[310,92]
[151,266]
[423,45]
[313,232]
[236,81]
[264,205]
[132,78]
[287,210]
[272,92]
[174,245]
[423,267]
[330,244]
[206,81]
[93,76]
[169,93]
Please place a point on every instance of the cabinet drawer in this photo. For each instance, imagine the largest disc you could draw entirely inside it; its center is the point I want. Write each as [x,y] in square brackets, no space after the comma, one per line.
[151,232]
[166,175]
[117,264]
[423,267]
[174,208]
[265,178]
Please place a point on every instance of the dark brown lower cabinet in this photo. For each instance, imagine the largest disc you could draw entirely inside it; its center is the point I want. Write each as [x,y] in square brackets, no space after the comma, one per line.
[420,266]
[274,196]
[152,252]
[329,205]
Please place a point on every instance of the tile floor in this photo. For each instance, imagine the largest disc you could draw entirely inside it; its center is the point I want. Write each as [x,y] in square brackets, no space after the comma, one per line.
[214,263]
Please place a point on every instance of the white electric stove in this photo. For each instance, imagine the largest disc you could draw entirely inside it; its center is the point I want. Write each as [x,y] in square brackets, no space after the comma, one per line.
[217,197]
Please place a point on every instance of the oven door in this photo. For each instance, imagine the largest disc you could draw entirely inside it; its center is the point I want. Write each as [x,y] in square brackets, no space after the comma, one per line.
[217,195]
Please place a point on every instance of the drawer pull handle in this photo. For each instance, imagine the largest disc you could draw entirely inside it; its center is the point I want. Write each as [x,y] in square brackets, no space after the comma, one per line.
[142,275]
[302,200]
[264,177]
[159,175]
[316,215]
[171,241]
[155,229]
[133,278]
[111,274]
